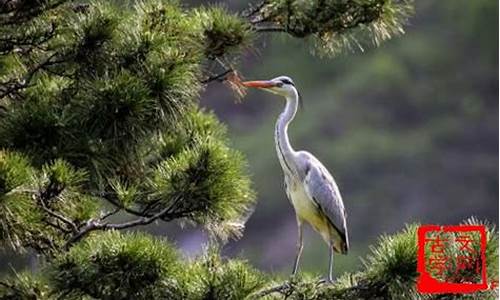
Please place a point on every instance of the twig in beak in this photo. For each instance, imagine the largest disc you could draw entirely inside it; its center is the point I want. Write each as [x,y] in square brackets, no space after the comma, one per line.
[234,82]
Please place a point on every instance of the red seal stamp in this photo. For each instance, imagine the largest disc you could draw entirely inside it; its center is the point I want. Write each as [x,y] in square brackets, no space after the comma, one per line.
[451,259]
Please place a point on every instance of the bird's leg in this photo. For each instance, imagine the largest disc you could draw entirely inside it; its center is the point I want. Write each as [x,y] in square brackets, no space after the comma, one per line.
[330,266]
[330,270]
[300,246]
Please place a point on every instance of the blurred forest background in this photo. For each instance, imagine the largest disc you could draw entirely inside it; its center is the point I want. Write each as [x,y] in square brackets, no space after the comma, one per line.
[409,130]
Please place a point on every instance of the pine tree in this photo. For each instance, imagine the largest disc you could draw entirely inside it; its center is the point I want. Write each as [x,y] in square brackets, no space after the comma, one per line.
[100,116]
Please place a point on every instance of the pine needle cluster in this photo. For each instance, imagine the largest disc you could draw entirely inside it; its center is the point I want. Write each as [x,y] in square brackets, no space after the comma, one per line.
[102,97]
[335,25]
[135,266]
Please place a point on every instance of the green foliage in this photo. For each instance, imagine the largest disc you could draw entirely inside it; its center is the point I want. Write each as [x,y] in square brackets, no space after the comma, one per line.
[64,186]
[88,38]
[116,266]
[117,80]
[34,127]
[191,171]
[126,108]
[124,266]
[108,95]
[196,125]
[14,171]
[29,194]
[112,79]
[336,25]
[204,184]
[213,278]
[164,42]
[109,92]
[61,175]
[24,286]
[491,251]
[224,33]
[19,218]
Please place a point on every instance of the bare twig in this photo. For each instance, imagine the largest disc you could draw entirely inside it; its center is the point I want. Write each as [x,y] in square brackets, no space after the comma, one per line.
[270,28]
[138,222]
[110,199]
[219,77]
[110,213]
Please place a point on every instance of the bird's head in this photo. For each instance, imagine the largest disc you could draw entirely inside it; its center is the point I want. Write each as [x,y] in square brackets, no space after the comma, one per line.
[281,85]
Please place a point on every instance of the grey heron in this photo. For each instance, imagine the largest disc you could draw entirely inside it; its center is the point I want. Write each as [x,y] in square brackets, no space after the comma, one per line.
[308,184]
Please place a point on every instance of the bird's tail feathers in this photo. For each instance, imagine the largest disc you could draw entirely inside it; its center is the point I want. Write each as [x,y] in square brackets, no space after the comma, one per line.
[344,247]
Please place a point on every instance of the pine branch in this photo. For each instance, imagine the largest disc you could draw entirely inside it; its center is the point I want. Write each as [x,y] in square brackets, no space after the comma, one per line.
[335,25]
[146,211]
[50,192]
[93,225]
[13,86]
[26,44]
[58,216]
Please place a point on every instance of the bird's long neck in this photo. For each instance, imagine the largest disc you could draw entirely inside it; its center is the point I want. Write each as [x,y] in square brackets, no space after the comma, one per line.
[283,146]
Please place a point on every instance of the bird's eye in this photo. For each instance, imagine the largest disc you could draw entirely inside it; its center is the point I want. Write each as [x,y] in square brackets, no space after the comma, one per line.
[286,81]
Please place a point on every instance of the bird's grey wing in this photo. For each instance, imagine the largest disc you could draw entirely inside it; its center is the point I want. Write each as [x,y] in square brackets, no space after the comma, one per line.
[322,189]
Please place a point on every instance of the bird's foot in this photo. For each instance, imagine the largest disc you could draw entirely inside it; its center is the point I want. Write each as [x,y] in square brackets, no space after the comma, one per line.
[325,281]
[294,276]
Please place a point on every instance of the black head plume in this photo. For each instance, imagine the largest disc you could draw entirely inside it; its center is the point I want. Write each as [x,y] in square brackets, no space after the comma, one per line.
[301,102]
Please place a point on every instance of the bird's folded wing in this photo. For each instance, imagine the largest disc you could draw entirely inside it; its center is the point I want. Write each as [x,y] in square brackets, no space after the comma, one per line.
[320,186]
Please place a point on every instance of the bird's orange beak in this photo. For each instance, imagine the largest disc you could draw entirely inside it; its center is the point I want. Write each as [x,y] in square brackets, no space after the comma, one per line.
[259,84]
